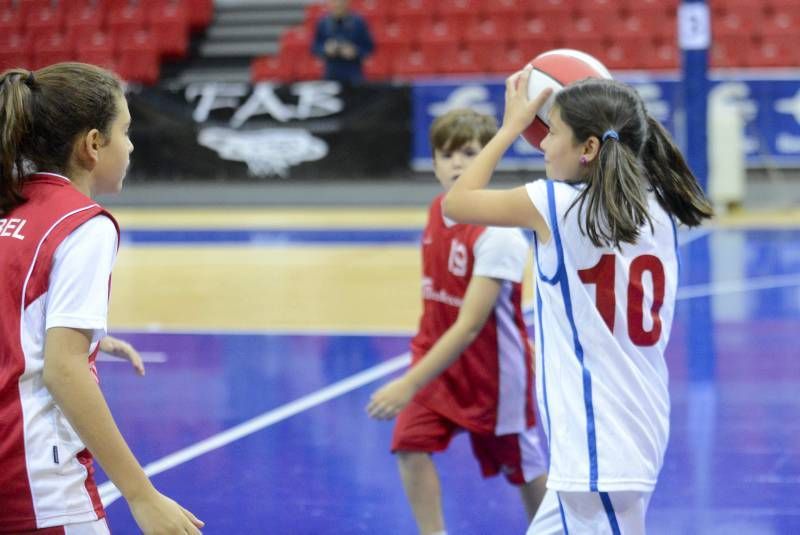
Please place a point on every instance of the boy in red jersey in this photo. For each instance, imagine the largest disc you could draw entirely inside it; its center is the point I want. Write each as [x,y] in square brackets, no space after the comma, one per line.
[471,360]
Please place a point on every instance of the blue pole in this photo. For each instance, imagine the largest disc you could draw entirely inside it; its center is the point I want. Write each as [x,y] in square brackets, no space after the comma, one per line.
[694,36]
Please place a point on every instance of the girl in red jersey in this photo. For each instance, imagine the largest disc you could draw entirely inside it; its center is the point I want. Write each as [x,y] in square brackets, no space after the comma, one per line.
[63,139]
[471,367]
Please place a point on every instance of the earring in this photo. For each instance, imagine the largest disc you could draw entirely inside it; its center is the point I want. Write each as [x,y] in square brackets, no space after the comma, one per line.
[584,161]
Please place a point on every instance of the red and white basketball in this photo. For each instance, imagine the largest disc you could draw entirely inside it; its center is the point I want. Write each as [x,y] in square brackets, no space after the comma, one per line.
[557,68]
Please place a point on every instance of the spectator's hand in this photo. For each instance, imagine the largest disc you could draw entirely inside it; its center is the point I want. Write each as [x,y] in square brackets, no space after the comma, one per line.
[122,349]
[389,400]
[348,51]
[331,48]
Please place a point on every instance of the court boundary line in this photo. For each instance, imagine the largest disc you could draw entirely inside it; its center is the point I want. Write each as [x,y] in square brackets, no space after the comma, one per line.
[109,492]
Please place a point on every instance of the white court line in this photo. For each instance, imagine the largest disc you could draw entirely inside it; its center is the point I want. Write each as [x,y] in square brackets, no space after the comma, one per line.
[109,493]
[729,287]
[147,356]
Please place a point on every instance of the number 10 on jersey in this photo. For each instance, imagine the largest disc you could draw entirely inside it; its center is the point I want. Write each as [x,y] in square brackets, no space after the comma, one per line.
[603,276]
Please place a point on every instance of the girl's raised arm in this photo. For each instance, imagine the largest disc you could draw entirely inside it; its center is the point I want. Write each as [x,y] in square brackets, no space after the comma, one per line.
[468,201]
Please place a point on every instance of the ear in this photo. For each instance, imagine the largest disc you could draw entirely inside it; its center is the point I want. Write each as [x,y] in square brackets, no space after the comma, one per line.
[591,147]
[87,149]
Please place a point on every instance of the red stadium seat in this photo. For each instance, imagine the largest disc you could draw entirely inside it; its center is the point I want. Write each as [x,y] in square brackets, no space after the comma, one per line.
[510,60]
[126,19]
[771,51]
[52,48]
[533,26]
[378,67]
[15,51]
[309,68]
[486,54]
[462,62]
[661,55]
[533,46]
[97,49]
[137,57]
[11,21]
[411,12]
[622,53]
[726,52]
[781,21]
[295,43]
[490,30]
[84,20]
[200,13]
[505,7]
[741,21]
[169,24]
[371,9]
[416,63]
[44,20]
[392,39]
[271,69]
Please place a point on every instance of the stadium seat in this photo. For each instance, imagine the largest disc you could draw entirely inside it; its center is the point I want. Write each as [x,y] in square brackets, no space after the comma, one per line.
[271,69]
[11,21]
[169,24]
[15,51]
[295,43]
[97,49]
[622,53]
[514,8]
[462,62]
[309,68]
[771,51]
[52,48]
[490,30]
[126,19]
[726,52]
[658,54]
[413,64]
[200,13]
[378,66]
[781,20]
[741,21]
[84,19]
[510,59]
[48,19]
[138,57]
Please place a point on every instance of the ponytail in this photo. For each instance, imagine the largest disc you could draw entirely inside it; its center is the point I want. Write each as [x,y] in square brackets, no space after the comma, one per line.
[612,207]
[16,125]
[675,186]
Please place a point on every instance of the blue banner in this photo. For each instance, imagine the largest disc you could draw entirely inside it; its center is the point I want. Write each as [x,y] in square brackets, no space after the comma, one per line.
[770,106]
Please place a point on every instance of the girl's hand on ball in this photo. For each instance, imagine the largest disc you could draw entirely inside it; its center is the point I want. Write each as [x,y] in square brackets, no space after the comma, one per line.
[520,111]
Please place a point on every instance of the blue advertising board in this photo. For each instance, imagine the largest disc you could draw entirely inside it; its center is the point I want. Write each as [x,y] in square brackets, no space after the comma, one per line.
[770,106]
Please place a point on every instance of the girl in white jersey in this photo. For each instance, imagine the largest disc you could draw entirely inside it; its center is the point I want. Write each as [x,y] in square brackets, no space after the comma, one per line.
[606,279]
[63,139]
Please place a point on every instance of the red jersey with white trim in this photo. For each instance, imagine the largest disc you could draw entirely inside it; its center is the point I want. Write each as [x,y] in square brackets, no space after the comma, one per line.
[45,470]
[489,388]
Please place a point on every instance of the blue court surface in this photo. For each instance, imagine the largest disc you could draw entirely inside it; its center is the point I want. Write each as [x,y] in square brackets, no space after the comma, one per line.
[265,433]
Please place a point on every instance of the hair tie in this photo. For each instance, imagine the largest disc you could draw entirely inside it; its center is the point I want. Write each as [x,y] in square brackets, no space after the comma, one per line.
[610,133]
[30,80]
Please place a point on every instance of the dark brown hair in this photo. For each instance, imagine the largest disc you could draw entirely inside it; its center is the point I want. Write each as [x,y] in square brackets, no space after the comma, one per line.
[458,127]
[42,113]
[613,205]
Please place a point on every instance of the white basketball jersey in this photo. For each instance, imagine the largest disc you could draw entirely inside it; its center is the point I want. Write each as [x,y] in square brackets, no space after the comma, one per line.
[603,318]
